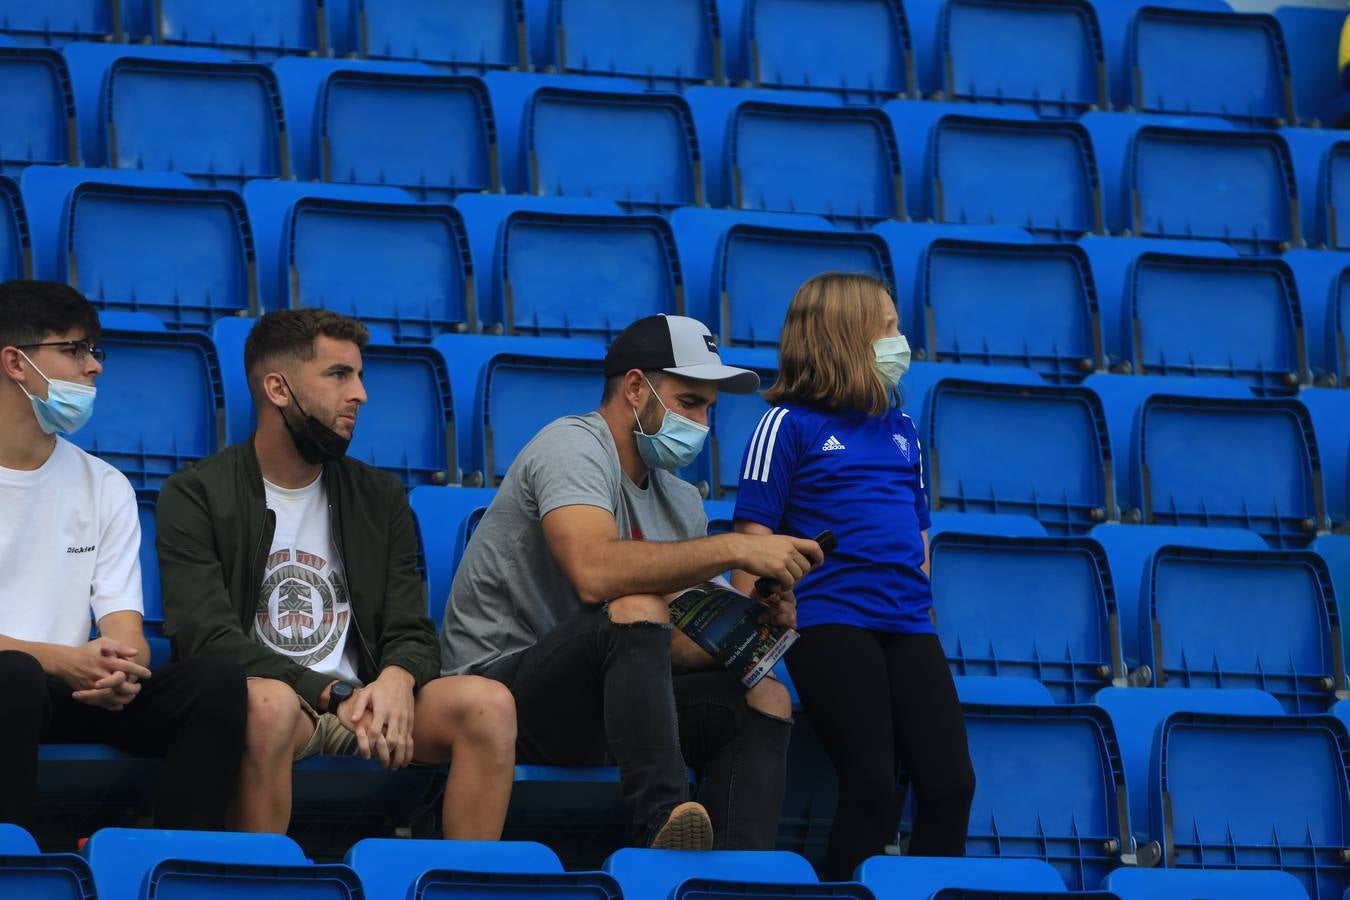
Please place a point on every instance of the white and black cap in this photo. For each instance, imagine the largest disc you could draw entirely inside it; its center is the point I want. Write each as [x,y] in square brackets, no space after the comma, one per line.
[678,345]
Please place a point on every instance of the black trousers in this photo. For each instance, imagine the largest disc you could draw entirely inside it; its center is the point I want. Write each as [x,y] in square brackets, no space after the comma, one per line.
[593,692]
[191,713]
[880,702]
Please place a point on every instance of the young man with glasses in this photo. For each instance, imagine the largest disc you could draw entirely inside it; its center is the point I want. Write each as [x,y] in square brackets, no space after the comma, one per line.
[69,554]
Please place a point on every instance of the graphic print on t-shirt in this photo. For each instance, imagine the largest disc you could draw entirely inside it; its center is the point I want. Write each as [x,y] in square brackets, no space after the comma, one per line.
[303,607]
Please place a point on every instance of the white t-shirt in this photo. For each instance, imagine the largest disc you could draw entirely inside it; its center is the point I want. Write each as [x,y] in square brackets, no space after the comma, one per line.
[70,542]
[303,609]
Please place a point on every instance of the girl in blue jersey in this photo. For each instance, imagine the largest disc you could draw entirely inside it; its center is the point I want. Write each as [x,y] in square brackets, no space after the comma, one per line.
[835,451]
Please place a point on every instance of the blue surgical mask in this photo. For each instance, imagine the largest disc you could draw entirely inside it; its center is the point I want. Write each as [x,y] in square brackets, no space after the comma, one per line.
[676,443]
[891,359]
[68,405]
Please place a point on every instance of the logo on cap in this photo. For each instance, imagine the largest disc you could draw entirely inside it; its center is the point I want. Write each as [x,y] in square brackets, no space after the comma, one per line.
[711,342]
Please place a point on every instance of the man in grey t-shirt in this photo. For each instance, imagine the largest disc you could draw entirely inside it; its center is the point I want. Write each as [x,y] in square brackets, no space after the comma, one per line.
[562,596]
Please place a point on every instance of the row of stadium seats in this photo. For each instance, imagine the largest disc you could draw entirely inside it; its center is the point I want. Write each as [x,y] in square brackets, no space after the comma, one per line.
[439,136]
[1194,56]
[583,268]
[1078,793]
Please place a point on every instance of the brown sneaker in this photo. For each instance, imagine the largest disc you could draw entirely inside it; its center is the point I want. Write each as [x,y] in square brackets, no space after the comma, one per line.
[688,828]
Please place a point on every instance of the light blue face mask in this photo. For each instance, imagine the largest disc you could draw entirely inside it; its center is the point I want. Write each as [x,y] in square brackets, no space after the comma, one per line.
[676,443]
[891,359]
[68,405]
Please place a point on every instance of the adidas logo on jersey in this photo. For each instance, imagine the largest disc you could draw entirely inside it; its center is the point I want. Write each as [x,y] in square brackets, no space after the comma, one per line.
[832,444]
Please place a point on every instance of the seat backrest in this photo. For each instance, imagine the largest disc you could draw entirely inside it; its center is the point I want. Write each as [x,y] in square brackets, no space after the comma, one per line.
[916,876]
[1281,632]
[16,248]
[1231,318]
[1048,56]
[1038,607]
[1043,314]
[154,609]
[409,428]
[1184,884]
[1041,451]
[57,22]
[1335,197]
[1236,463]
[121,858]
[171,115]
[653,874]
[1200,62]
[257,29]
[584,274]
[1233,186]
[433,135]
[759,268]
[403,267]
[668,45]
[1036,175]
[444,516]
[842,163]
[735,420]
[465,37]
[859,50]
[37,105]
[184,256]
[523,394]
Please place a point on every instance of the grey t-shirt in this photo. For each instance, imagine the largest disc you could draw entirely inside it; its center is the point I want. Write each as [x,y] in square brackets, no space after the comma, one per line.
[509,590]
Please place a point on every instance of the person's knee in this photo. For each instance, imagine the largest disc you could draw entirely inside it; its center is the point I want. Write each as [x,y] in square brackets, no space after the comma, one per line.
[482,714]
[636,609]
[274,714]
[25,685]
[771,698]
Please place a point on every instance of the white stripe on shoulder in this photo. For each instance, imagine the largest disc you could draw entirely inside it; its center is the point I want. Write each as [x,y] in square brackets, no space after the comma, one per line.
[757,459]
[918,447]
[756,441]
[773,441]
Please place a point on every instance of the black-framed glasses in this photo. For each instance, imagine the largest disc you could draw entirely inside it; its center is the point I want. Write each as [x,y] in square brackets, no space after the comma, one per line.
[79,350]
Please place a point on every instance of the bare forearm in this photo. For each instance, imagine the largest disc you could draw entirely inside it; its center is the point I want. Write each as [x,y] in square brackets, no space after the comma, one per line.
[620,568]
[51,657]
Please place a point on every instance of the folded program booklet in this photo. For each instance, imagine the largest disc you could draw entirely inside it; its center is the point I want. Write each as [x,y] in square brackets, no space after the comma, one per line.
[726,623]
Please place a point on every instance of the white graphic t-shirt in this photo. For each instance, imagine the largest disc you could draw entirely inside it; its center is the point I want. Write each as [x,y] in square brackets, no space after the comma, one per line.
[303,609]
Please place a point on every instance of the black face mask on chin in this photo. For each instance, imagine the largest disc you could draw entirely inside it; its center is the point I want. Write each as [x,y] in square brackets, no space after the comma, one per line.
[314,441]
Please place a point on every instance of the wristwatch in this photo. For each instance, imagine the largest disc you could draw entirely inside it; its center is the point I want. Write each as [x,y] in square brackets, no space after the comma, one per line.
[337,693]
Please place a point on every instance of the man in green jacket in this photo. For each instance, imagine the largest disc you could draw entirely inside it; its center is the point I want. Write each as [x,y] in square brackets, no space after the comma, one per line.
[283,554]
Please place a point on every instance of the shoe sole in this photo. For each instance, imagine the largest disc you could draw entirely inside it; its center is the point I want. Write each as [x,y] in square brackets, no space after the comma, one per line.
[688,828]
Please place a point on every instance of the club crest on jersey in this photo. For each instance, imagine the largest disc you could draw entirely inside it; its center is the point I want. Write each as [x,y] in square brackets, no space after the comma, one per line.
[902,442]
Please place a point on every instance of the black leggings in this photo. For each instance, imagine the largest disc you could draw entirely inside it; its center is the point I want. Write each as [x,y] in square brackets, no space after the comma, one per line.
[880,702]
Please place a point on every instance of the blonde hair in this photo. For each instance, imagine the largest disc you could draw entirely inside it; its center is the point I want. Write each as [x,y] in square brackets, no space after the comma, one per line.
[825,349]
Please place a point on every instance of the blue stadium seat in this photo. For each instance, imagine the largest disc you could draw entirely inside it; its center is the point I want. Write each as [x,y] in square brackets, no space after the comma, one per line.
[408,426]
[1217,806]
[1314,36]
[154,608]
[27,873]
[1180,183]
[160,400]
[1002,690]
[1335,549]
[668,46]
[1184,884]
[16,249]
[1280,624]
[721,514]
[1050,785]
[257,29]
[1199,62]
[582,274]
[859,51]
[1330,411]
[1002,894]
[463,37]
[57,22]
[1047,56]
[129,863]
[1041,176]
[446,517]
[733,420]
[1334,197]
[146,243]
[1038,607]
[37,106]
[1230,318]
[393,869]
[654,874]
[918,878]
[634,148]
[1044,315]
[1324,292]
[1014,448]
[990,524]
[841,163]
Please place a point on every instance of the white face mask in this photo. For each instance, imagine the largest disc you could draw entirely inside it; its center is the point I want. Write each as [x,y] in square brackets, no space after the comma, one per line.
[891,359]
[68,406]
[675,444]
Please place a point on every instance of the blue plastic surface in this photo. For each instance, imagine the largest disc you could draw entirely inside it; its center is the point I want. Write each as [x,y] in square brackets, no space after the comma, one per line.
[735,416]
[1231,186]
[654,874]
[1038,607]
[722,889]
[1048,56]
[859,51]
[1199,62]
[1335,195]
[1002,690]
[1314,34]
[177,879]
[407,427]
[464,37]
[1042,315]
[432,134]
[444,516]
[985,523]
[56,22]
[1298,822]
[1330,412]
[668,46]
[48,876]
[154,608]
[1041,176]
[1001,448]
[1184,884]
[159,398]
[841,163]
[590,275]
[637,149]
[389,867]
[917,878]
[16,250]
[122,857]
[38,108]
[256,29]
[459,885]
